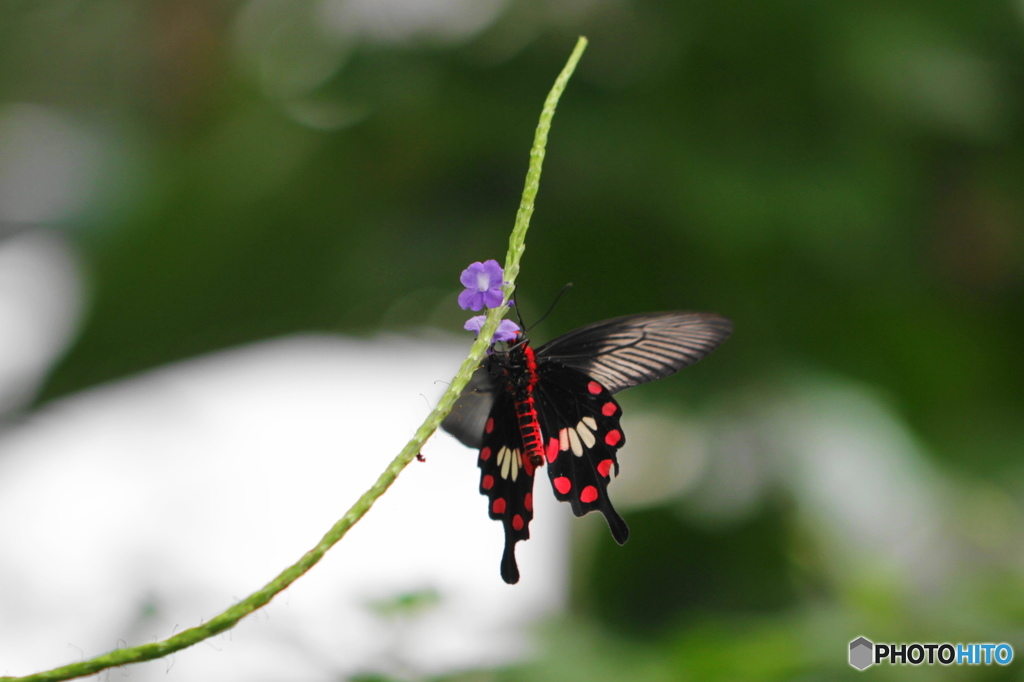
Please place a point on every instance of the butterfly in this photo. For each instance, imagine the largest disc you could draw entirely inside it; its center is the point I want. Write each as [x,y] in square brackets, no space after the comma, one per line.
[525,408]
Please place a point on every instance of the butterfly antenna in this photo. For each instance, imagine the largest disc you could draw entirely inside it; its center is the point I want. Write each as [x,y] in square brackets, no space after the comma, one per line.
[519,314]
[568,285]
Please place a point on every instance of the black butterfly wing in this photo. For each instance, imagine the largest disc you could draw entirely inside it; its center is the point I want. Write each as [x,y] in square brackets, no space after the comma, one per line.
[469,414]
[506,478]
[580,422]
[631,350]
[619,353]
[577,375]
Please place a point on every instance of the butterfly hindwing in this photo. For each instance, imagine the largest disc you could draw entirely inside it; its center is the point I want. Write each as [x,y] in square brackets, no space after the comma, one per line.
[580,423]
[506,478]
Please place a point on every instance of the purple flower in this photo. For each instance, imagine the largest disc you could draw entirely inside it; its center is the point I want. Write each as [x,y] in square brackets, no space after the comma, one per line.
[507,329]
[483,286]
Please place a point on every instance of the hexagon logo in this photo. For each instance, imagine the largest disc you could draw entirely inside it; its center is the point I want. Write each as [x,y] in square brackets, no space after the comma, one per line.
[861,653]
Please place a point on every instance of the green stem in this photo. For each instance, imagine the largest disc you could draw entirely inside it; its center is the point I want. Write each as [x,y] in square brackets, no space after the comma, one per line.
[229,618]
[517,241]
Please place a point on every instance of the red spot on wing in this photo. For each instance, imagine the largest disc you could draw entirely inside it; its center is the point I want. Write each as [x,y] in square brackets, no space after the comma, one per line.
[517,522]
[613,437]
[485,454]
[588,495]
[605,467]
[562,484]
[594,388]
[608,409]
[498,506]
[488,482]
[490,425]
[528,502]
[552,450]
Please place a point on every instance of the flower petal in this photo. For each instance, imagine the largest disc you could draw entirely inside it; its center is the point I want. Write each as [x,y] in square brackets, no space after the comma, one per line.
[469,275]
[473,324]
[494,272]
[471,299]
[507,331]
[492,298]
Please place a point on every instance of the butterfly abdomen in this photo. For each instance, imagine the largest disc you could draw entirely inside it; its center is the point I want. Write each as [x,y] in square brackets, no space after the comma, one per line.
[526,410]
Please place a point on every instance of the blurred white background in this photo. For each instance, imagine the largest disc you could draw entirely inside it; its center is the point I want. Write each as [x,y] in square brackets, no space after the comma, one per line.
[138,509]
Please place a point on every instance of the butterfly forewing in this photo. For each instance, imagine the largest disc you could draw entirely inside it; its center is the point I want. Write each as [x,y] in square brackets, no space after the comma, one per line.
[469,415]
[631,350]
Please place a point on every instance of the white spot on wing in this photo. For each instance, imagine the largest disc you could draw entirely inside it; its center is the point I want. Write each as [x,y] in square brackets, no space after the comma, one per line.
[505,462]
[586,435]
[574,441]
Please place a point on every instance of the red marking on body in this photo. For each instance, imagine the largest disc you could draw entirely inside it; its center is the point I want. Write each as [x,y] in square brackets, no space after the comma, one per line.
[605,467]
[498,506]
[531,365]
[588,495]
[562,484]
[613,437]
[594,388]
[526,412]
[490,425]
[485,454]
[517,522]
[552,450]
[528,502]
[488,482]
[608,409]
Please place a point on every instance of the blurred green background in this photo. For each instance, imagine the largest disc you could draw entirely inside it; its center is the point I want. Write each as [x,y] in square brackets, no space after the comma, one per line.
[842,179]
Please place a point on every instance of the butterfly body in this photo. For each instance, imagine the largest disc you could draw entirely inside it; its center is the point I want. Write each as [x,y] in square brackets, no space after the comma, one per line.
[553,406]
[520,374]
